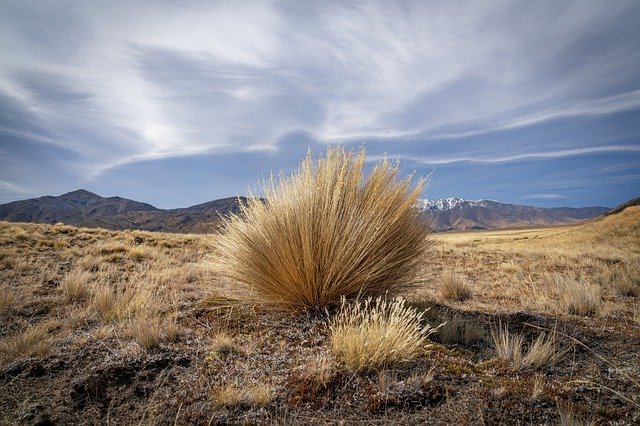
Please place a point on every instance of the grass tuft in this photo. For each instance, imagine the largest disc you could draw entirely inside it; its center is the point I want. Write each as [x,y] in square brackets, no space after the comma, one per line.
[32,342]
[369,335]
[511,347]
[75,286]
[455,287]
[578,296]
[327,232]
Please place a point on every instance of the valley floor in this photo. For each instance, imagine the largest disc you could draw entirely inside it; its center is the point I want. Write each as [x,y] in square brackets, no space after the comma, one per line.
[128,327]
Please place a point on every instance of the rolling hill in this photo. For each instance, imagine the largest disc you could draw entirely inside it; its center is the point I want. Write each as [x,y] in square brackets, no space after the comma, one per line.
[86,209]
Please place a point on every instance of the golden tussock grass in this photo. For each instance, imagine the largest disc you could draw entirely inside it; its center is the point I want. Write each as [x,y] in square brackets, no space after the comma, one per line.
[511,347]
[75,286]
[455,287]
[33,341]
[371,334]
[327,232]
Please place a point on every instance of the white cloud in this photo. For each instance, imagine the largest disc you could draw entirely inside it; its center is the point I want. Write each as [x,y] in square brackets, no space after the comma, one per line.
[543,197]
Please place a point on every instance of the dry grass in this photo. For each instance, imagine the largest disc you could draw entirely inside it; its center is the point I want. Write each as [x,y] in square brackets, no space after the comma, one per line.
[369,335]
[259,395]
[511,347]
[569,416]
[458,330]
[455,287]
[147,332]
[75,286]
[327,232]
[578,296]
[34,341]
[7,301]
[228,396]
[625,281]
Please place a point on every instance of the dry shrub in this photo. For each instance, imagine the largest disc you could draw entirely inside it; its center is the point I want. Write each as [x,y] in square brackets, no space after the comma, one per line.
[327,232]
[117,305]
[75,286]
[369,335]
[578,296]
[233,395]
[454,287]
[511,347]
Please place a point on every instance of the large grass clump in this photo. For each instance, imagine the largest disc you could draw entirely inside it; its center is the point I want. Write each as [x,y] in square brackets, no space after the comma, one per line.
[326,232]
[370,335]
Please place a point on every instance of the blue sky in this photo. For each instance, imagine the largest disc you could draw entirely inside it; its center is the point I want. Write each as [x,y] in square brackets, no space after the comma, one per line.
[177,103]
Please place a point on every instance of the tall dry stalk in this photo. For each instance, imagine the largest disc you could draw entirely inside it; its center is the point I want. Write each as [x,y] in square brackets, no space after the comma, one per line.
[326,232]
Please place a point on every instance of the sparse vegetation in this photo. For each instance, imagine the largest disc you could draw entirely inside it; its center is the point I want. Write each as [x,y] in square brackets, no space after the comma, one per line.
[173,342]
[371,334]
[327,232]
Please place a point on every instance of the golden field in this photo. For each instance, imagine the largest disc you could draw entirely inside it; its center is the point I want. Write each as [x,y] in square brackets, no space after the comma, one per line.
[535,326]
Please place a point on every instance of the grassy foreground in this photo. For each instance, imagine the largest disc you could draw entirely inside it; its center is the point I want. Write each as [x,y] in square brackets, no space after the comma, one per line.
[542,326]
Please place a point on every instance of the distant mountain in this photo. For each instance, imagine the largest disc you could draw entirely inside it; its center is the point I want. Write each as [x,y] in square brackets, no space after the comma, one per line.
[458,213]
[84,208]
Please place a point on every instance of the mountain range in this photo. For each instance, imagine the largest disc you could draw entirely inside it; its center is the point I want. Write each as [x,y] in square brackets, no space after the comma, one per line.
[86,209]
[458,213]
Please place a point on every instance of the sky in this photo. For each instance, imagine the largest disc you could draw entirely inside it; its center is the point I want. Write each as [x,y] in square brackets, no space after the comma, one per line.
[176,103]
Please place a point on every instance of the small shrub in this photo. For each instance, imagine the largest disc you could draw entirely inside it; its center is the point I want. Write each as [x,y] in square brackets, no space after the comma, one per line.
[7,301]
[455,287]
[510,347]
[569,416]
[326,232]
[369,335]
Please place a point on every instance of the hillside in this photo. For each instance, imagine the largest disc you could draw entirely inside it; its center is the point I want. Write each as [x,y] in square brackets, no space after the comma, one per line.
[86,209]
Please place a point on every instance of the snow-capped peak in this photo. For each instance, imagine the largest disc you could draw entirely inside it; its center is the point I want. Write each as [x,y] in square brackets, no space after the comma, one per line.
[443,204]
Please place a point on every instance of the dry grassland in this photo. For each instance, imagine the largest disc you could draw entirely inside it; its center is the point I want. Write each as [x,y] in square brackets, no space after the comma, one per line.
[542,326]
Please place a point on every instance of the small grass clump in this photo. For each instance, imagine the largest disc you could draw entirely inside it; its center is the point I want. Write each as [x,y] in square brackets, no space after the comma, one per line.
[541,352]
[455,287]
[327,232]
[369,335]
[578,296]
[75,286]
[32,342]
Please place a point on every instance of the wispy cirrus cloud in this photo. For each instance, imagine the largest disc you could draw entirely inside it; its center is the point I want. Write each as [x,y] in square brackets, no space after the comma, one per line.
[526,156]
